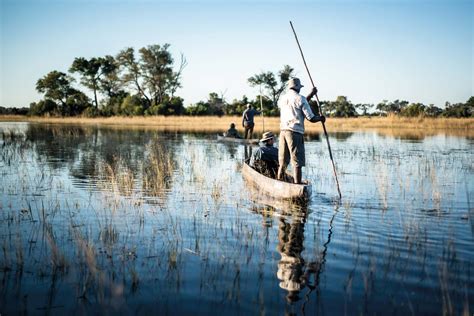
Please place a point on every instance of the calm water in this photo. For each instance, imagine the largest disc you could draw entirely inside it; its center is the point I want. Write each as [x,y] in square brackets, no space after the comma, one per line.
[131,221]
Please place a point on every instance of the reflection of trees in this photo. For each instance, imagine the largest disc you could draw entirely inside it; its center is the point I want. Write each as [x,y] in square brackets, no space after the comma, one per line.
[312,136]
[341,136]
[414,136]
[92,153]
[57,143]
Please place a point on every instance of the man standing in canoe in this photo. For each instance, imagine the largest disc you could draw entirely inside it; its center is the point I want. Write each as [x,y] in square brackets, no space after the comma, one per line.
[294,108]
[247,121]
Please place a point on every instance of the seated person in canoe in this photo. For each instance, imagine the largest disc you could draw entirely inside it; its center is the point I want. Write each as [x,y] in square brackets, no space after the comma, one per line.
[265,158]
[232,132]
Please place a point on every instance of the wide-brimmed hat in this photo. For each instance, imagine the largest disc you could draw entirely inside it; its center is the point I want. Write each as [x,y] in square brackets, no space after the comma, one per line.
[294,83]
[267,136]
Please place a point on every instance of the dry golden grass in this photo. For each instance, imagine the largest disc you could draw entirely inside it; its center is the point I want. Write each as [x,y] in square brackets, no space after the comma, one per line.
[391,125]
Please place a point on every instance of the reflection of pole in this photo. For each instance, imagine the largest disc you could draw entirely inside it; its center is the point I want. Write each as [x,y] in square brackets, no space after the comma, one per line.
[317,267]
[261,110]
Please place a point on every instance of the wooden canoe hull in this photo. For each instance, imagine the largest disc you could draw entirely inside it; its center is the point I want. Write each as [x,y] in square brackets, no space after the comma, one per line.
[237,140]
[275,188]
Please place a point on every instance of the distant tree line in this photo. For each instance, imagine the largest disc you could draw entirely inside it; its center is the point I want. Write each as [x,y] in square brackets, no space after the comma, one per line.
[342,107]
[145,83]
[13,111]
[131,83]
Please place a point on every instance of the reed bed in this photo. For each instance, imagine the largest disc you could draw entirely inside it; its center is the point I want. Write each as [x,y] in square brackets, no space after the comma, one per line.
[391,125]
[110,247]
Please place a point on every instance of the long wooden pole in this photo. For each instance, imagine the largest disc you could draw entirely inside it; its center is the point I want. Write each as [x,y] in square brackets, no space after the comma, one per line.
[261,110]
[320,112]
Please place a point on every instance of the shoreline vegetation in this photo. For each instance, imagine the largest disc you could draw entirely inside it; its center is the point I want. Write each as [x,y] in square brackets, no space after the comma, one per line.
[389,125]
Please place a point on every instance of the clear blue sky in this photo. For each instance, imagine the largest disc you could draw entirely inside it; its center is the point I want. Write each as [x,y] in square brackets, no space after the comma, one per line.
[416,50]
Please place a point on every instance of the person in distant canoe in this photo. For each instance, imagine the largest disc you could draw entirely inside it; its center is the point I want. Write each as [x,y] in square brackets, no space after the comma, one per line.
[294,108]
[265,158]
[247,121]
[232,132]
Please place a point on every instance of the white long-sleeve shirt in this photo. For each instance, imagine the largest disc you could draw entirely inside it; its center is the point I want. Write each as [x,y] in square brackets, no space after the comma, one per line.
[294,108]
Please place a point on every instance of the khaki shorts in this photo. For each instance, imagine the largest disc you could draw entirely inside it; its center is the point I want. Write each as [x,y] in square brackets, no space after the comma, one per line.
[291,146]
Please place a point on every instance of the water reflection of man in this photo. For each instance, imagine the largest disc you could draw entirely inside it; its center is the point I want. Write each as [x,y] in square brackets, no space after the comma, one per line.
[290,245]
[231,148]
[247,152]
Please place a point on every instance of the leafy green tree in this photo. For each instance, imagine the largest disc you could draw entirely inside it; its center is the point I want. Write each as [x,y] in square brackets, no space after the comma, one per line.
[413,110]
[216,104]
[460,109]
[13,110]
[394,107]
[382,107]
[132,72]
[364,107]
[56,86]
[268,81]
[157,68]
[236,107]
[470,103]
[131,105]
[43,107]
[110,83]
[91,111]
[91,72]
[199,109]
[433,111]
[111,106]
[339,108]
[156,65]
[213,106]
[170,106]
[175,106]
[174,81]
[153,75]
[76,104]
[266,105]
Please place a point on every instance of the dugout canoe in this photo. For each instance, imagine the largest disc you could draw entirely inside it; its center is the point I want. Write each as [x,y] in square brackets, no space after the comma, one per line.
[237,140]
[275,188]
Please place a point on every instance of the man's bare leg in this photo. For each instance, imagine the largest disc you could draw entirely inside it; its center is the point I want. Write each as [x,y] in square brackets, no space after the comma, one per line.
[298,174]
[281,172]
